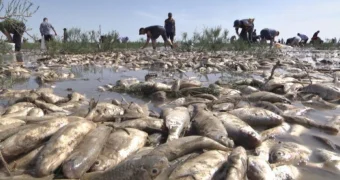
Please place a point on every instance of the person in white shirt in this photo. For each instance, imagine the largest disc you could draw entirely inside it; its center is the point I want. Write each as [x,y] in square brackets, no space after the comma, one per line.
[304,38]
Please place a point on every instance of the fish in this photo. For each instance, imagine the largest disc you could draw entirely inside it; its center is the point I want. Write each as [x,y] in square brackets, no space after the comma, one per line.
[223,107]
[144,168]
[60,146]
[289,152]
[259,169]
[49,106]
[206,124]
[326,92]
[237,164]
[104,112]
[26,163]
[154,139]
[19,107]
[266,96]
[325,155]
[202,167]
[286,172]
[239,131]
[9,123]
[272,132]
[86,153]
[176,120]
[118,147]
[52,98]
[311,123]
[35,112]
[258,116]
[148,124]
[30,138]
[268,106]
[16,114]
[186,145]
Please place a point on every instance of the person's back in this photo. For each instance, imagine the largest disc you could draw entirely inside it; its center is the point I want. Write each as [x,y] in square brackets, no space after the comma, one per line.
[170,25]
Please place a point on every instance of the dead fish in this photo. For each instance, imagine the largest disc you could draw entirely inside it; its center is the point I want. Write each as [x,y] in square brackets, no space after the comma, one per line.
[309,122]
[331,166]
[9,123]
[327,92]
[147,124]
[257,116]
[9,132]
[175,164]
[75,97]
[27,177]
[223,107]
[27,162]
[286,172]
[52,98]
[259,169]
[118,147]
[86,153]
[206,124]
[61,145]
[239,131]
[325,155]
[327,142]
[49,107]
[154,139]
[23,112]
[104,112]
[126,83]
[245,89]
[334,122]
[237,164]
[28,139]
[176,120]
[272,132]
[19,107]
[206,96]
[36,112]
[269,106]
[186,145]
[145,168]
[190,83]
[318,103]
[176,85]
[289,152]
[201,167]
[267,96]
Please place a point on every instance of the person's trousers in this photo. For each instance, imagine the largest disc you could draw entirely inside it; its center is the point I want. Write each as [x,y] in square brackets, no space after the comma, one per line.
[17,41]
[247,34]
[170,35]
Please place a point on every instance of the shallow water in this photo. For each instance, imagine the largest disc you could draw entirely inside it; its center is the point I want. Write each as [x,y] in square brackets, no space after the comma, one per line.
[89,78]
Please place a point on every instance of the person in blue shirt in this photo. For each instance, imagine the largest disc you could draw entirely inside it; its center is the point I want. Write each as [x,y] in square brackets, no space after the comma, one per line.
[269,34]
[304,38]
[247,26]
[170,28]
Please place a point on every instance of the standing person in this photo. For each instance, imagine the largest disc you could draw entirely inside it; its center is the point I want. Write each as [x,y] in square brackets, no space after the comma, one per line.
[65,35]
[304,38]
[247,26]
[153,33]
[45,30]
[169,25]
[269,34]
[17,28]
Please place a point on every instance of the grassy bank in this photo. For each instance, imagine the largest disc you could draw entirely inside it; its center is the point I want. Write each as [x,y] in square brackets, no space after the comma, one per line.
[209,39]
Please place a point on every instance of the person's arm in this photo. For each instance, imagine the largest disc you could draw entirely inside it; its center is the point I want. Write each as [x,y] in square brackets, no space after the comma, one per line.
[174,28]
[236,29]
[41,30]
[147,42]
[53,29]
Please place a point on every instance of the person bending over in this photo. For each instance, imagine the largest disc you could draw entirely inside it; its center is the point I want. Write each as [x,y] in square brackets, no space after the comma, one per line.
[269,34]
[247,26]
[153,33]
[17,28]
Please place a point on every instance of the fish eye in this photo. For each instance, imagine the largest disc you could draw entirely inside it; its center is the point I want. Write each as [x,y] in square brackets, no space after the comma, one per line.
[154,171]
[96,163]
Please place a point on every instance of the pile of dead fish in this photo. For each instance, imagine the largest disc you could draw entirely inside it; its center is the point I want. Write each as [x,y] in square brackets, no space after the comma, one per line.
[231,135]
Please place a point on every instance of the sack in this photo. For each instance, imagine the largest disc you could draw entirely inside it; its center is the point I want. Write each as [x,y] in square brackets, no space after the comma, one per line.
[42,45]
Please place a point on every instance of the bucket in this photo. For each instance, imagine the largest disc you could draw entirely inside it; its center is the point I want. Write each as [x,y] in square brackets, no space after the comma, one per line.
[11,45]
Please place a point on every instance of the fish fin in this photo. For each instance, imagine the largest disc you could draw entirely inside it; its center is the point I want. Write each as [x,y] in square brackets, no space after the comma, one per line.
[186,175]
[5,164]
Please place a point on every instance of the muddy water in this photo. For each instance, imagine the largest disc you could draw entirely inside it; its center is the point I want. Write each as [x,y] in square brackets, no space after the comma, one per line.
[89,78]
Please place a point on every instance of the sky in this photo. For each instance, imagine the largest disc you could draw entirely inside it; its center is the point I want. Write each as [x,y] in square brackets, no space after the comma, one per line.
[127,16]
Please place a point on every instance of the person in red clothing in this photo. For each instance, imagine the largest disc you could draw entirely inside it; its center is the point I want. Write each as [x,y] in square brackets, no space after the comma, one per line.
[316,38]
[315,35]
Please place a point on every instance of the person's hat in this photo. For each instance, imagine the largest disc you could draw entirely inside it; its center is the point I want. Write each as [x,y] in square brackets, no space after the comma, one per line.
[236,23]
[140,31]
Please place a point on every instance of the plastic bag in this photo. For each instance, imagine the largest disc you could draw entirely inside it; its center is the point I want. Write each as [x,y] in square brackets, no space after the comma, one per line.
[43,46]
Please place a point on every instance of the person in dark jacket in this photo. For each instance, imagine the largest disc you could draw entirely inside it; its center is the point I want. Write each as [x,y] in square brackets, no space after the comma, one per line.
[269,34]
[247,26]
[169,25]
[153,33]
[17,28]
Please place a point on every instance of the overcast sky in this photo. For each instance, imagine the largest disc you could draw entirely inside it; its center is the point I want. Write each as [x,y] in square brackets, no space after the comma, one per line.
[127,16]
